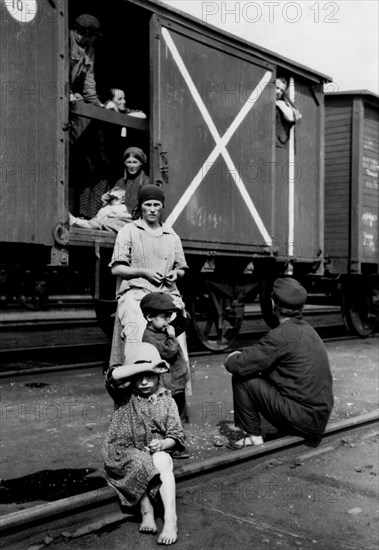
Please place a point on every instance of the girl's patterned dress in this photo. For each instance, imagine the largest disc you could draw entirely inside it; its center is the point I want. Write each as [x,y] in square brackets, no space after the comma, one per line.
[129,467]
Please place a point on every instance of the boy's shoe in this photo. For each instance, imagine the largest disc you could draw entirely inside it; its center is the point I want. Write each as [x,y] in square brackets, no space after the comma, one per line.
[248,441]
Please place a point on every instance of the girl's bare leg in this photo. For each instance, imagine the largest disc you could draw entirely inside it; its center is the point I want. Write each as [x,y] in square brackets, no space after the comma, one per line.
[163,463]
[148,524]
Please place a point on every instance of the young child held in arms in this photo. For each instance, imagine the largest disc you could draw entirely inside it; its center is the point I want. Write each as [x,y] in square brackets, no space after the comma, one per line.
[111,217]
[144,426]
[158,309]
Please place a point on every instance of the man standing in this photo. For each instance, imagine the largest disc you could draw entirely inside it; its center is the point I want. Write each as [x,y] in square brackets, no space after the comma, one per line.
[285,376]
[86,30]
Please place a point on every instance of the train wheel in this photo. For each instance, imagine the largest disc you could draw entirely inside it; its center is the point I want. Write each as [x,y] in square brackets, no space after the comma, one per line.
[359,313]
[266,305]
[216,318]
[105,314]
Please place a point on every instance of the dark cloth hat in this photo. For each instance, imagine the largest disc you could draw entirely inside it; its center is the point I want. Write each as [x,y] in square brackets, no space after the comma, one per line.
[86,21]
[157,302]
[289,293]
[150,192]
[135,152]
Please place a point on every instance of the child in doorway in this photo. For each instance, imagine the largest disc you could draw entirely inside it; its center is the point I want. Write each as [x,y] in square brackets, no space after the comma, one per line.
[144,426]
[111,217]
[158,309]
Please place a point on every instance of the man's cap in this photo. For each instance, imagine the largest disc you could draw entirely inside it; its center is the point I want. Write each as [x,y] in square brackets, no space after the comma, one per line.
[157,302]
[87,21]
[142,353]
[289,293]
[150,192]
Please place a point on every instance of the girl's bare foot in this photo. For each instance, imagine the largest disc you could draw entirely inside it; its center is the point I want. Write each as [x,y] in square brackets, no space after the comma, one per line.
[148,525]
[169,534]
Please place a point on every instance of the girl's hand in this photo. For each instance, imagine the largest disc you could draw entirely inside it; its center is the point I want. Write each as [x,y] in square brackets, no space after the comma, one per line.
[161,368]
[153,276]
[155,446]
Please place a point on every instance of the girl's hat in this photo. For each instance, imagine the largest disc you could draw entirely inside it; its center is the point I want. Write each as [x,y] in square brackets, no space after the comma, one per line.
[135,152]
[150,192]
[143,353]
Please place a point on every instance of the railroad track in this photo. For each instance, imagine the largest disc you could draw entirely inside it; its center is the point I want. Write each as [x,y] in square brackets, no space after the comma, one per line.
[95,354]
[79,515]
[82,314]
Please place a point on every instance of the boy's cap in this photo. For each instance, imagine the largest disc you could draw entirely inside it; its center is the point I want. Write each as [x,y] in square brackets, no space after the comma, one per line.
[142,353]
[157,301]
[289,293]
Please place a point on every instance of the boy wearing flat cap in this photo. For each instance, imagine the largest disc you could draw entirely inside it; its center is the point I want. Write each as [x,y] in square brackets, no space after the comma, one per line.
[285,376]
[158,309]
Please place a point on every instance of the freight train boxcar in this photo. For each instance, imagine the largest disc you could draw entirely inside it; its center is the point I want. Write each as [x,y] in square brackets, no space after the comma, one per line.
[352,202]
[244,193]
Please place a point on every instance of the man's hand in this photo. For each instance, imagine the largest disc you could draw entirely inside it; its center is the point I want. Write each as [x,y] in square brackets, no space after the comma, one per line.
[74,98]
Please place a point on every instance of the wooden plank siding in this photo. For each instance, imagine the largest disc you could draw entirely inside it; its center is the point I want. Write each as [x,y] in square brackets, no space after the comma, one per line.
[370,187]
[29,199]
[337,178]
[351,181]
[240,205]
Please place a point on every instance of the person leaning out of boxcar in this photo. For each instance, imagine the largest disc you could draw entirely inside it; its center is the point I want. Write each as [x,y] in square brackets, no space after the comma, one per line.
[285,376]
[111,217]
[134,177]
[286,113]
[85,31]
[116,101]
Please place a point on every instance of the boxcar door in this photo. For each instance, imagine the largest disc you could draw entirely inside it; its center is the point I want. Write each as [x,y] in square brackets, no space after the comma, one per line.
[33,109]
[213,129]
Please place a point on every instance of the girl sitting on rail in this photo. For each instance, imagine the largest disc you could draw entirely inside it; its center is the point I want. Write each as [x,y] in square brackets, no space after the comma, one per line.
[144,426]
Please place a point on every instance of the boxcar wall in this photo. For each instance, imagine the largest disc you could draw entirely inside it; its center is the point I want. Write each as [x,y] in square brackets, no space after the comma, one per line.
[210,133]
[352,205]
[351,181]
[33,110]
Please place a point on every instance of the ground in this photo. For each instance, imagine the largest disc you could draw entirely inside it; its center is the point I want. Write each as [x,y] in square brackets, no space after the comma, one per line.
[53,425]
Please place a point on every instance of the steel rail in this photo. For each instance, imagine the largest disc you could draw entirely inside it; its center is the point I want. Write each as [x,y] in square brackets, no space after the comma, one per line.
[62,513]
[27,352]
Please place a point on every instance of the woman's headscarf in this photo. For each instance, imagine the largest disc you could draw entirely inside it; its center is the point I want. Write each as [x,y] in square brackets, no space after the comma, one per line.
[135,152]
[150,192]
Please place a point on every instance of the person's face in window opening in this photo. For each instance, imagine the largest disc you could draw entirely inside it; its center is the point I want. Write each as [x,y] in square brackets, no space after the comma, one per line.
[151,211]
[146,383]
[280,88]
[132,165]
[119,100]
[86,37]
